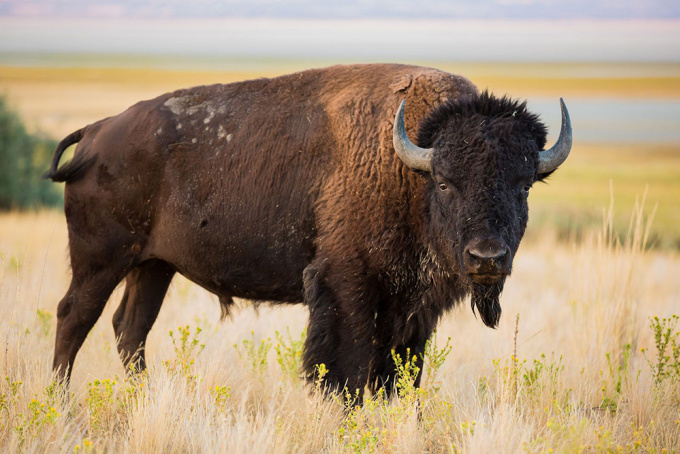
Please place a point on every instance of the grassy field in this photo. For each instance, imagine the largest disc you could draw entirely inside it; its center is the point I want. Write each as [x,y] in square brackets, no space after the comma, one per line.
[574,198]
[577,364]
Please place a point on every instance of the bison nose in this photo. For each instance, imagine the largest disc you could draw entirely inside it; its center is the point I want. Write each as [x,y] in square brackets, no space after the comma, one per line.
[488,257]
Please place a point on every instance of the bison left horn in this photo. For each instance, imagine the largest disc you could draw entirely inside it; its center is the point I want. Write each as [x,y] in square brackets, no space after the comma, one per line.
[549,160]
[414,157]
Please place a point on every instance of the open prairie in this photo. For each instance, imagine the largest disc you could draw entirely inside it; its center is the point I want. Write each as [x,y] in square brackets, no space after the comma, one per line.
[578,364]
[586,357]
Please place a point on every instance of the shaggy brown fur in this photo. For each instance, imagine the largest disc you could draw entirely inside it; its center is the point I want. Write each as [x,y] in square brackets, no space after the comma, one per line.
[289,190]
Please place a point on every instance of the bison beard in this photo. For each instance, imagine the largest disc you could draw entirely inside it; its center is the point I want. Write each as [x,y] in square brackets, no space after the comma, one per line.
[486,298]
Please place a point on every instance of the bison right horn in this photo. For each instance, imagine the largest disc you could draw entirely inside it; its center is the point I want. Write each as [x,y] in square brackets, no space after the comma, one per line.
[413,156]
[549,160]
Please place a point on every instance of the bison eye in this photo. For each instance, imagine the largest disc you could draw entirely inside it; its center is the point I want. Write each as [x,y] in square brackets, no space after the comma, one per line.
[443,186]
[526,188]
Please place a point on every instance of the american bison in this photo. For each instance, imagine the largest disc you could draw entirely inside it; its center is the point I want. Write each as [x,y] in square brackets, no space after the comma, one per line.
[305,189]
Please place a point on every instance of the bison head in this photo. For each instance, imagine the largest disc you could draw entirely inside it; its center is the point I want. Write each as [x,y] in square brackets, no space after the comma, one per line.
[481,155]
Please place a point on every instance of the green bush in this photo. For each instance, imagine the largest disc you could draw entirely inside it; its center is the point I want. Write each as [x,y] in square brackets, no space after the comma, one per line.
[24,158]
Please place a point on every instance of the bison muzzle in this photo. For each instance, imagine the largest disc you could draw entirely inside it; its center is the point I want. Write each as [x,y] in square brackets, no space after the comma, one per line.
[305,188]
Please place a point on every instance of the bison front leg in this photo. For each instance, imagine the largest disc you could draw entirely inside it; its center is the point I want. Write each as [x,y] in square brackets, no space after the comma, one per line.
[340,332]
[384,371]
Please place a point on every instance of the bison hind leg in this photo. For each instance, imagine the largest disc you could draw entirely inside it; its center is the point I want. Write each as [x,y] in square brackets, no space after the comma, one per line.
[78,311]
[145,289]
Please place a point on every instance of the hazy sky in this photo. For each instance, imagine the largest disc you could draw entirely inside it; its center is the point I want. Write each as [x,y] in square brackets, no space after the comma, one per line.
[373,39]
[441,9]
[471,30]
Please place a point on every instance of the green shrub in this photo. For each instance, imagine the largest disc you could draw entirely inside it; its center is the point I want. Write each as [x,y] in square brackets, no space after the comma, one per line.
[24,158]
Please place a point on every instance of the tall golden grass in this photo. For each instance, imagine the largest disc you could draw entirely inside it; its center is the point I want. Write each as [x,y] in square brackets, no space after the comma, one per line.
[573,366]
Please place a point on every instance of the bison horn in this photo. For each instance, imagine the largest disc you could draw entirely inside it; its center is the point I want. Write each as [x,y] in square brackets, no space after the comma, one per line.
[549,160]
[414,157]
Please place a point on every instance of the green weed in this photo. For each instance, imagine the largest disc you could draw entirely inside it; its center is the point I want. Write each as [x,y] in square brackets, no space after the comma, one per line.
[255,353]
[133,391]
[187,348]
[289,353]
[45,321]
[360,430]
[617,375]
[375,426]
[100,402]
[407,372]
[433,359]
[666,364]
[320,371]
[220,396]
[9,398]
[38,415]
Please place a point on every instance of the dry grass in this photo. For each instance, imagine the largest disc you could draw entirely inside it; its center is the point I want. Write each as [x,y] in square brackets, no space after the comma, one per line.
[572,199]
[568,375]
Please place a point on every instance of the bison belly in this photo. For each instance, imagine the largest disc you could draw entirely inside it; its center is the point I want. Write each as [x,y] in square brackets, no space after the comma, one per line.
[235,242]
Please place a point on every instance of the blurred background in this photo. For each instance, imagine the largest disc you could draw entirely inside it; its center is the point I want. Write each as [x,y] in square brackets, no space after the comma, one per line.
[67,63]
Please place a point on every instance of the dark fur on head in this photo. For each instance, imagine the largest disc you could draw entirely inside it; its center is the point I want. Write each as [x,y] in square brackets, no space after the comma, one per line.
[485,152]
[484,104]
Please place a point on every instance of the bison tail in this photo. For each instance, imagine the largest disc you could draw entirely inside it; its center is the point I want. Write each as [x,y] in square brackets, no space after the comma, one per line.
[73,169]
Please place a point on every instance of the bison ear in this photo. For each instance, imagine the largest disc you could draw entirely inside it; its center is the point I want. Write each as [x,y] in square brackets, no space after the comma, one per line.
[542,177]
